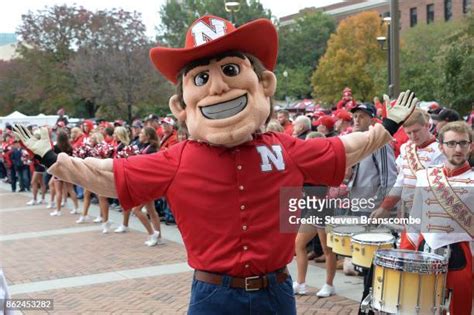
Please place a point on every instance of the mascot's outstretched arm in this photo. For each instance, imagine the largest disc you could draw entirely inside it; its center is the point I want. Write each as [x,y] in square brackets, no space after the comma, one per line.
[93,174]
[358,145]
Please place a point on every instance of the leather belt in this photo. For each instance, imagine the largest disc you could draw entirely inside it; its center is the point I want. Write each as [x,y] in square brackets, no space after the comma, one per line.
[253,283]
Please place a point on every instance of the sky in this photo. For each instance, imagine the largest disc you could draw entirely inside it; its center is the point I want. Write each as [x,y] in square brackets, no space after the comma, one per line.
[10,13]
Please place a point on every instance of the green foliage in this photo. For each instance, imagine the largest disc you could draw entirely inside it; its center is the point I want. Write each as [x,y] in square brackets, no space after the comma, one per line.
[437,62]
[353,58]
[87,62]
[177,16]
[301,46]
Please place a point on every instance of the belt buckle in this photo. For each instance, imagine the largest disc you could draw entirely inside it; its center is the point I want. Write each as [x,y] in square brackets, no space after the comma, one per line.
[247,284]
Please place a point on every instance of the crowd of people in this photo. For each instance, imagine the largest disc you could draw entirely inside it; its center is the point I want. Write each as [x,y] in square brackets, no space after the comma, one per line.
[90,138]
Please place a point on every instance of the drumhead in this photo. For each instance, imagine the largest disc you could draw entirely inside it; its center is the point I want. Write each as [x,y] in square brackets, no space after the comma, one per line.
[410,261]
[380,230]
[348,230]
[373,238]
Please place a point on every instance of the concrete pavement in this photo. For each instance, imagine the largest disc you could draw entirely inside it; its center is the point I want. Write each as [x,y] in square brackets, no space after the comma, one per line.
[87,272]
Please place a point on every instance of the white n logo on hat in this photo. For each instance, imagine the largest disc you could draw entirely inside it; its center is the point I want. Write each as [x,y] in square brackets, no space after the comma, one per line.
[204,33]
[274,156]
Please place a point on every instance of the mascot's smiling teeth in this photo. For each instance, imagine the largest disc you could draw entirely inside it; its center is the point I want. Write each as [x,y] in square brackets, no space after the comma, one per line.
[226,109]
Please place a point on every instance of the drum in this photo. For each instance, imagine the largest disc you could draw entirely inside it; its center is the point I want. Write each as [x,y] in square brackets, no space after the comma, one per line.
[408,282]
[330,227]
[364,246]
[379,229]
[342,238]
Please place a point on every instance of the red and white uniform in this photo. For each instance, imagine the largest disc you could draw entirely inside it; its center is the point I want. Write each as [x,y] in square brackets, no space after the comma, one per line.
[231,195]
[444,202]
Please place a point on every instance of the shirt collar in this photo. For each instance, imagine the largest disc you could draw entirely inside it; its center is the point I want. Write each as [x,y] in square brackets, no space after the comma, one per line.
[458,171]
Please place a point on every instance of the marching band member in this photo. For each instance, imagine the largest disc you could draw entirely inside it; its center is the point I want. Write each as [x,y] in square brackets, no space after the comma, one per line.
[444,201]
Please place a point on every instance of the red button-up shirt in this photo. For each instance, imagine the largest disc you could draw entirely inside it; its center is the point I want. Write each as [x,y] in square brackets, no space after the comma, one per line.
[226,200]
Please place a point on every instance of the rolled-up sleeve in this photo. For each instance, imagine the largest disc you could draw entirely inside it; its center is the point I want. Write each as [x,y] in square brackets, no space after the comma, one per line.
[139,179]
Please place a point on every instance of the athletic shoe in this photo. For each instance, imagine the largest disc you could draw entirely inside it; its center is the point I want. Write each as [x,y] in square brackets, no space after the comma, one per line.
[84,219]
[32,202]
[51,205]
[55,213]
[106,227]
[122,229]
[299,288]
[98,220]
[326,291]
[74,211]
[154,239]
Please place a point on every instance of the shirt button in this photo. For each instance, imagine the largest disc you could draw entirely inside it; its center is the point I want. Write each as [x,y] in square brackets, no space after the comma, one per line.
[242,207]
[244,227]
[245,247]
[239,167]
[241,187]
[247,265]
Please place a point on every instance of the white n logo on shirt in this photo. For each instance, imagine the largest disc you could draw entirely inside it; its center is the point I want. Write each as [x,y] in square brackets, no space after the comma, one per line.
[204,33]
[274,155]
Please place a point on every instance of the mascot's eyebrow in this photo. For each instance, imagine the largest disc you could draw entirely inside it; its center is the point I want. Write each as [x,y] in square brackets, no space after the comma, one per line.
[206,61]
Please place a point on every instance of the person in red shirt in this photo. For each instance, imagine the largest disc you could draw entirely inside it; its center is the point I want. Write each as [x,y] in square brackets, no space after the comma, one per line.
[346,102]
[283,117]
[224,183]
[170,136]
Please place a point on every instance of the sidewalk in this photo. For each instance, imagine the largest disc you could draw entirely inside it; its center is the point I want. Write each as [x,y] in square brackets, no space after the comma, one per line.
[87,272]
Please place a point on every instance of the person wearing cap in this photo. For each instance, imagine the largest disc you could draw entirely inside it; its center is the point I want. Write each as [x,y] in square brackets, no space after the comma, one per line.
[444,116]
[373,176]
[61,119]
[170,137]
[325,125]
[343,122]
[346,101]
[231,172]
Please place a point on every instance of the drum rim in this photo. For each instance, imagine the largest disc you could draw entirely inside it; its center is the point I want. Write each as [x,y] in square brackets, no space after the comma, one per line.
[336,233]
[438,264]
[391,241]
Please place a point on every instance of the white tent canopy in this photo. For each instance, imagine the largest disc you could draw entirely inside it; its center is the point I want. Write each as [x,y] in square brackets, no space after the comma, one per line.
[18,118]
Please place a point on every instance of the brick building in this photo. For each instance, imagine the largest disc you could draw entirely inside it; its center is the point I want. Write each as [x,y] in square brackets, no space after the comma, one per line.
[412,12]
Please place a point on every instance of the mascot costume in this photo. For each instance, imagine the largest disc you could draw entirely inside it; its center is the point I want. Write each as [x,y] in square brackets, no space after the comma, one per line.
[223,183]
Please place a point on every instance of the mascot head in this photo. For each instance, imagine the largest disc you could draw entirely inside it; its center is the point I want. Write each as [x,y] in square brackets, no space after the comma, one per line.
[223,77]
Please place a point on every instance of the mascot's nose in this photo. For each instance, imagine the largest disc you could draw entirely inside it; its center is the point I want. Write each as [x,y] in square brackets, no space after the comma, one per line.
[217,84]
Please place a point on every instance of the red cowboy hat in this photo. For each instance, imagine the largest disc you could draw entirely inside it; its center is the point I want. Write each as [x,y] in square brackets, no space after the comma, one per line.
[211,35]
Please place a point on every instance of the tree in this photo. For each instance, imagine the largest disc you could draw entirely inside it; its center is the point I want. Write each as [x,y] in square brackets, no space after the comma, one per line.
[112,66]
[353,58]
[176,16]
[88,62]
[418,68]
[300,47]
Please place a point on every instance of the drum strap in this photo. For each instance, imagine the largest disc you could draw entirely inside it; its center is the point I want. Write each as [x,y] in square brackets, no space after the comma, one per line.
[449,200]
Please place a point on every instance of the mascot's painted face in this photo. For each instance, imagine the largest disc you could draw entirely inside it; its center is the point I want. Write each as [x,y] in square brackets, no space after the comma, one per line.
[225,100]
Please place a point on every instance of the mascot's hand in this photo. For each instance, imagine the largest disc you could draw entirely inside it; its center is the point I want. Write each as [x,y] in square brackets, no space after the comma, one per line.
[403,108]
[37,146]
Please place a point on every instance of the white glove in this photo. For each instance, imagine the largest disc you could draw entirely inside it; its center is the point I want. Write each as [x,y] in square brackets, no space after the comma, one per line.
[403,108]
[37,146]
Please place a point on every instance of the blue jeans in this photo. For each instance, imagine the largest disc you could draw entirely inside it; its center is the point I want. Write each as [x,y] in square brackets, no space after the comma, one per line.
[210,299]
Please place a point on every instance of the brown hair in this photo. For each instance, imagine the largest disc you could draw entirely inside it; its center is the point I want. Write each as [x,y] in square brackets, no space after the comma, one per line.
[63,142]
[418,116]
[457,127]
[257,66]
[150,132]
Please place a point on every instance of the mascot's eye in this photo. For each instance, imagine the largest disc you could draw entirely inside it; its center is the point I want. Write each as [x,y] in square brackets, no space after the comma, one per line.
[201,78]
[231,69]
